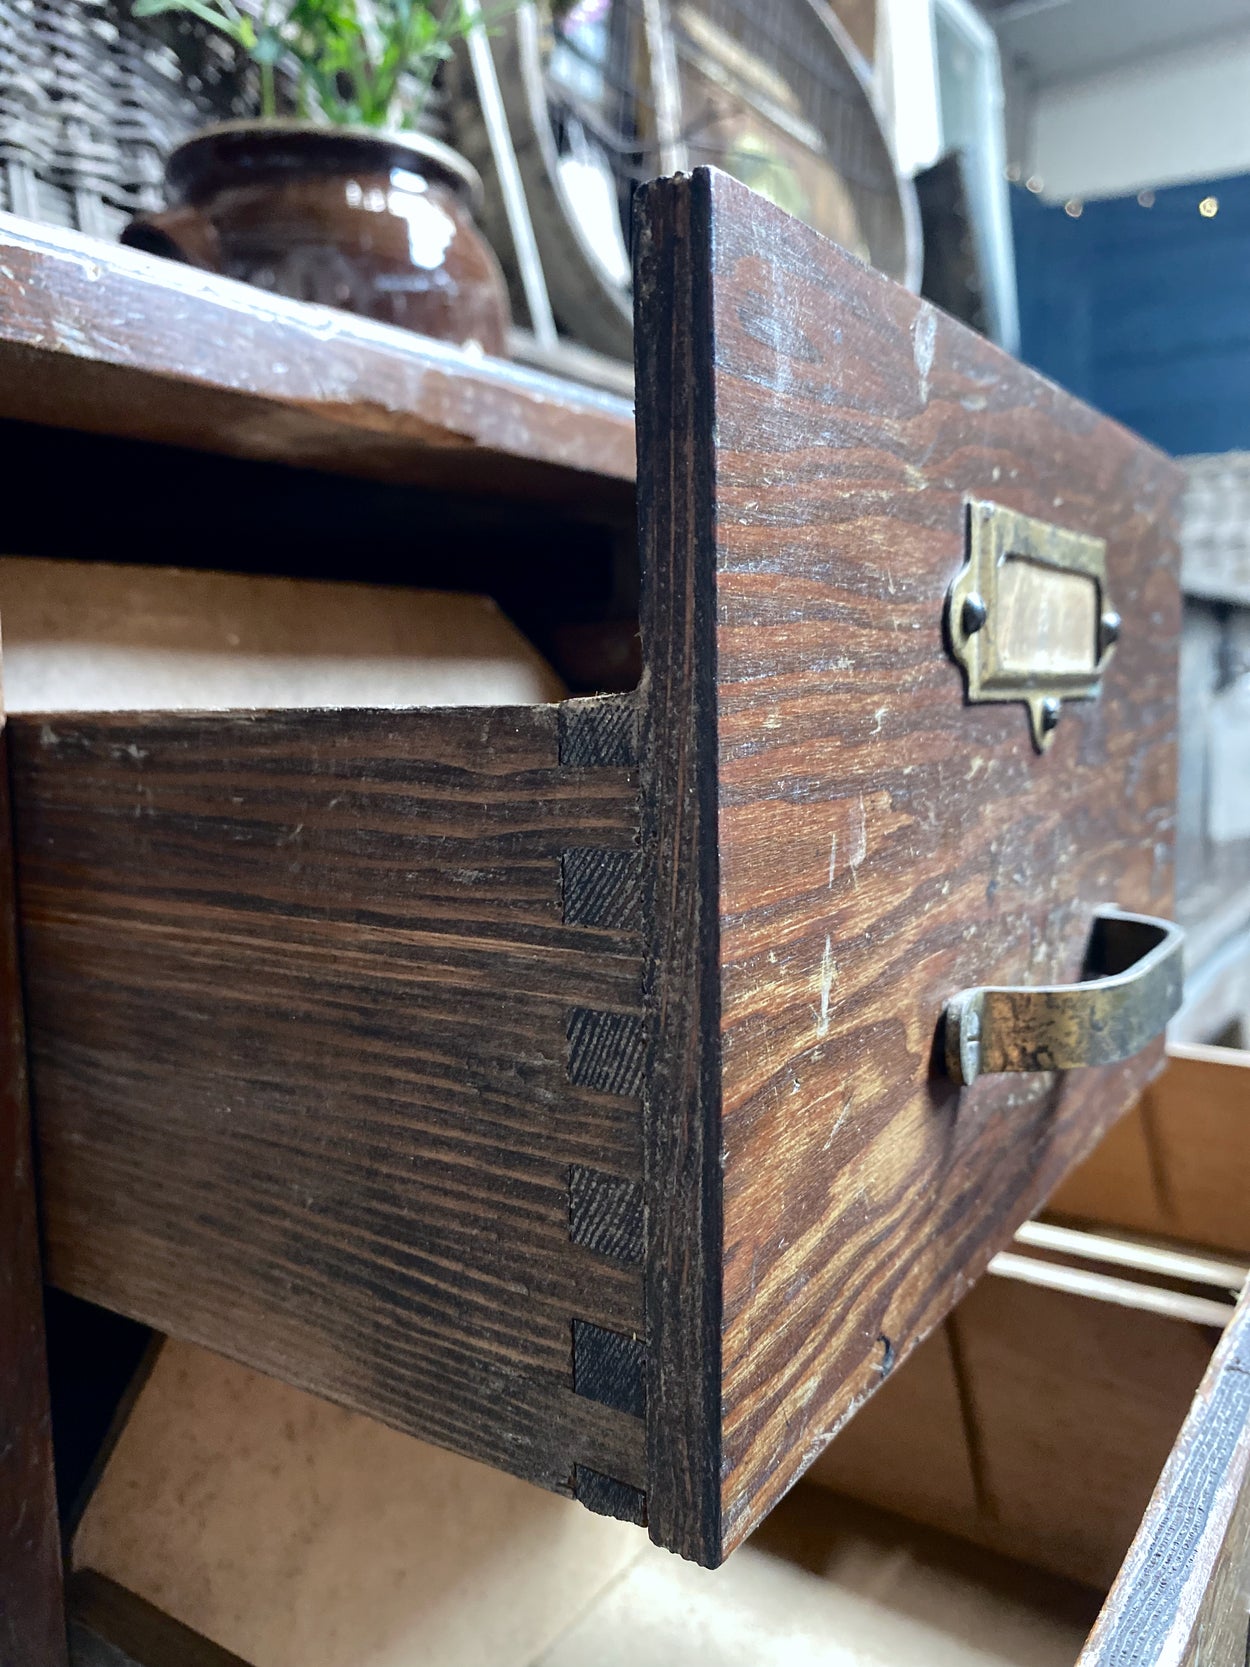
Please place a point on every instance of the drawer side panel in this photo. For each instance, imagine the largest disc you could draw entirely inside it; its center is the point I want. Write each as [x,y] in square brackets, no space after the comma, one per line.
[1182,1598]
[300,991]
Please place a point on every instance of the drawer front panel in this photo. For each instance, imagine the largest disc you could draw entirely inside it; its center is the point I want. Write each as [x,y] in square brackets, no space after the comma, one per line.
[869,843]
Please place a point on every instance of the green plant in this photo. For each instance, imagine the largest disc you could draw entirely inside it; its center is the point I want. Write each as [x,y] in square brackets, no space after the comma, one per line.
[356,62]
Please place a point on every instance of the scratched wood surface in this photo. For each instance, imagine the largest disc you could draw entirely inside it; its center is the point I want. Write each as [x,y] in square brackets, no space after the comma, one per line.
[32,1616]
[1182,1598]
[300,997]
[110,341]
[808,437]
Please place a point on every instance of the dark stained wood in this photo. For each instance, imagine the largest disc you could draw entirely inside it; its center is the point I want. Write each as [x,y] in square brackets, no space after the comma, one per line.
[353,1032]
[599,733]
[837,843]
[606,1051]
[608,1366]
[1182,1598]
[299,992]
[111,1627]
[106,340]
[608,1497]
[606,1214]
[32,1618]
[681,1102]
[602,888]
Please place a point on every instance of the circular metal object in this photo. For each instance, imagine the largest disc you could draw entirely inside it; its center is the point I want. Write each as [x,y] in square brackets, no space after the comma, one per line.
[614,92]
[974,613]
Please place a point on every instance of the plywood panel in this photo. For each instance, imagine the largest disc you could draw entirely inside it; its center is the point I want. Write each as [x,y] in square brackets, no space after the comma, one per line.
[88,636]
[301,1535]
[1034,1423]
[1176,1166]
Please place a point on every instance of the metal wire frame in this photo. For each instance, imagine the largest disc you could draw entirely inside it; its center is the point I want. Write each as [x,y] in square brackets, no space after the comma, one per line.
[822,74]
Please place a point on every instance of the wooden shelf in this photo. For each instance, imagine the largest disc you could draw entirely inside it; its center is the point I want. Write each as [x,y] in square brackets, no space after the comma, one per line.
[110,341]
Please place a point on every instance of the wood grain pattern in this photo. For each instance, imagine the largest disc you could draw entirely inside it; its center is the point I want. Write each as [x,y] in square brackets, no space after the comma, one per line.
[1032,1422]
[602,888]
[403,1004]
[1182,1598]
[32,1615]
[609,1497]
[608,1367]
[299,991]
[808,437]
[909,1451]
[606,1051]
[606,1214]
[1176,1165]
[103,339]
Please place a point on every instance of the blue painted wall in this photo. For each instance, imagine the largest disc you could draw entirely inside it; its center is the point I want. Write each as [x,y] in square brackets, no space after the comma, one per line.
[1144,312]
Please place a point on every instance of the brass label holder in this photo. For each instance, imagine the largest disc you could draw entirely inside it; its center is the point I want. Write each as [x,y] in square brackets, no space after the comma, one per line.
[1028,616]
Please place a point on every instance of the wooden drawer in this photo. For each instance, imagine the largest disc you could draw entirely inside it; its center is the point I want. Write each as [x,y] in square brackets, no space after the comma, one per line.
[564,1083]
[1036,1421]
[1176,1166]
[1183,1594]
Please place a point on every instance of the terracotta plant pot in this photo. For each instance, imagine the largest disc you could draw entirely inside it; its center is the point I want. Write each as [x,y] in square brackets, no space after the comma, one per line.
[380,224]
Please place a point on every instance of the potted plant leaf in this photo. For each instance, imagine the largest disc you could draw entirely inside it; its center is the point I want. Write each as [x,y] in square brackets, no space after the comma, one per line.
[333,194]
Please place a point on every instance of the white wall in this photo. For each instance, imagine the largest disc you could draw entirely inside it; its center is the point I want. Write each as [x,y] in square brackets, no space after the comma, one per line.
[1179,116]
[906,71]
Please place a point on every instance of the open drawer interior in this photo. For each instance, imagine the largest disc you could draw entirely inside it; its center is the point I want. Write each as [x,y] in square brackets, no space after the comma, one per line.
[1085,1409]
[1176,1166]
[999,1552]
[1036,1420]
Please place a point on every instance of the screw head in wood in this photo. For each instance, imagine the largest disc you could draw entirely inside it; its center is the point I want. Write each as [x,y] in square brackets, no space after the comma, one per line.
[1108,629]
[1049,714]
[973,614]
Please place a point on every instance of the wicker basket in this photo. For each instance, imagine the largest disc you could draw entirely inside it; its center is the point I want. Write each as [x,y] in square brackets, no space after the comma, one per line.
[92,100]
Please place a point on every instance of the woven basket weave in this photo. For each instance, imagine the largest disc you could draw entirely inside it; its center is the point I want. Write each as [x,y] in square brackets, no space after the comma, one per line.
[92,101]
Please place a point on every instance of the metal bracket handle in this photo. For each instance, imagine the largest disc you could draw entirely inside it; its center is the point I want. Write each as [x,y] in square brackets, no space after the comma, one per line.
[1130,988]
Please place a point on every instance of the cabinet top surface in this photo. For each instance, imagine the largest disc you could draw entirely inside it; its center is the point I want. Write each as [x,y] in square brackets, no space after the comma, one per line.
[111,341]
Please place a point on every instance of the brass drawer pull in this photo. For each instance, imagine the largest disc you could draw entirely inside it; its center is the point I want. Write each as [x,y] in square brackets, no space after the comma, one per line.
[1130,988]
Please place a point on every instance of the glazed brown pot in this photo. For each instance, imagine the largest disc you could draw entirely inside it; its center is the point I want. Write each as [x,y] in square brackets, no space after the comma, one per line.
[380,224]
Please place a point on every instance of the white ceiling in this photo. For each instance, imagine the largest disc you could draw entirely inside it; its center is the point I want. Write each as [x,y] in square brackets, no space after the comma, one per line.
[1051,41]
